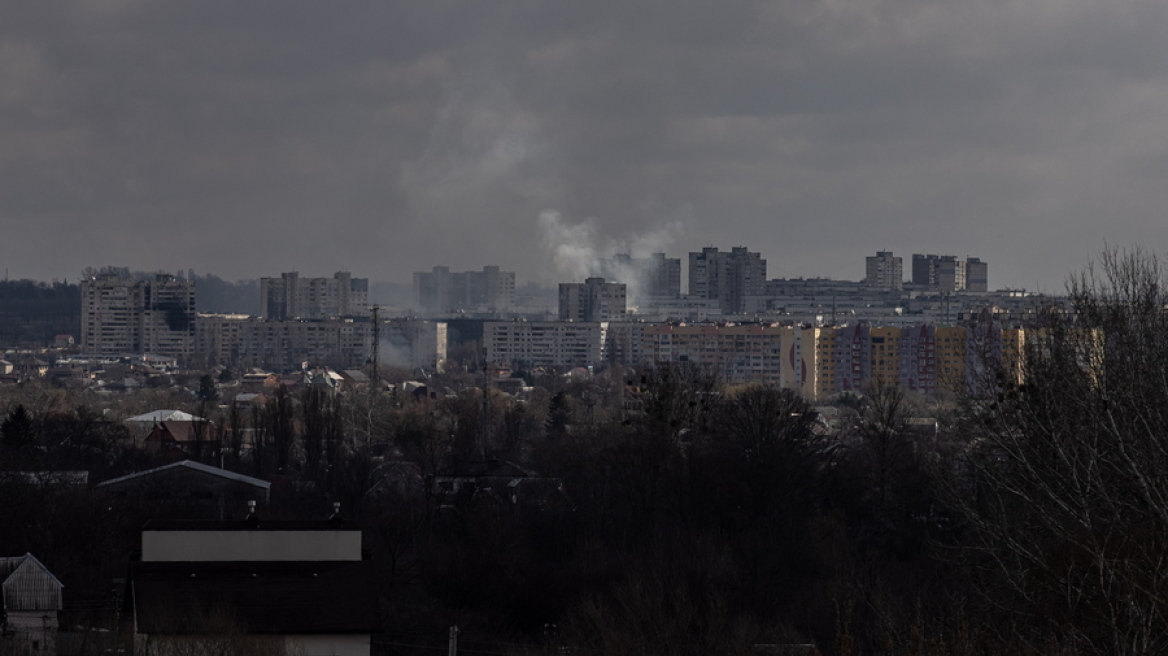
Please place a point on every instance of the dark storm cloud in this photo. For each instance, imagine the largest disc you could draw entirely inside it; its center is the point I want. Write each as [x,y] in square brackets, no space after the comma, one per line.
[252,138]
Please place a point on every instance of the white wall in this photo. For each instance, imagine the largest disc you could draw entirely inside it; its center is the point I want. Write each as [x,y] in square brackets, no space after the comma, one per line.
[256,545]
[329,645]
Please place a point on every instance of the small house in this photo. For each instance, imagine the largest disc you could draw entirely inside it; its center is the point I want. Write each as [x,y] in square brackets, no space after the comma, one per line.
[32,598]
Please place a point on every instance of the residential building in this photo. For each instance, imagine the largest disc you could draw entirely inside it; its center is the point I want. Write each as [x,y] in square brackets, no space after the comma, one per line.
[441,291]
[593,300]
[950,274]
[947,274]
[282,345]
[293,297]
[976,275]
[727,277]
[122,316]
[544,343]
[884,271]
[30,598]
[736,354]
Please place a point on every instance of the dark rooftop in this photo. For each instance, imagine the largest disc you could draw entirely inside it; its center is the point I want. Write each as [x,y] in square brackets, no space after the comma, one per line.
[171,598]
[251,524]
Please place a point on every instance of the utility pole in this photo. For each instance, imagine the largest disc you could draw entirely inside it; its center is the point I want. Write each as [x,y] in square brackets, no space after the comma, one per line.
[486,410]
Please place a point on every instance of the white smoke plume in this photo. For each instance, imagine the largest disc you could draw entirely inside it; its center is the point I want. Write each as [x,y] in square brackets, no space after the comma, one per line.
[579,251]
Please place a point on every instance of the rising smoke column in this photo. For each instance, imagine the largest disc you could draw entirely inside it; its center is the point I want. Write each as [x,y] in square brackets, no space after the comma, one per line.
[576,251]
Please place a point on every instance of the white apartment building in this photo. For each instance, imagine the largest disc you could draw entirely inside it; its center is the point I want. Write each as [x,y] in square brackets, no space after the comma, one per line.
[293,297]
[243,341]
[884,271]
[120,316]
[545,343]
[593,300]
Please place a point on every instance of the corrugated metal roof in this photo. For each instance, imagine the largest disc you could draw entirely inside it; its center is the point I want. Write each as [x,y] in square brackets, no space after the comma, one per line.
[197,466]
[29,585]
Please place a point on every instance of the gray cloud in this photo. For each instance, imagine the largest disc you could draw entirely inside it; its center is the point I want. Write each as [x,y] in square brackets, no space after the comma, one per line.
[386,137]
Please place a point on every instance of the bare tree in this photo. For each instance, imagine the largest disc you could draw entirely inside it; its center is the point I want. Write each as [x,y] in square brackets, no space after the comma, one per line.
[1064,483]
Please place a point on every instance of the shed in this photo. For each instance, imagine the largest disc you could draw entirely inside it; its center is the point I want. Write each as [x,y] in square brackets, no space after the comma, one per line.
[32,597]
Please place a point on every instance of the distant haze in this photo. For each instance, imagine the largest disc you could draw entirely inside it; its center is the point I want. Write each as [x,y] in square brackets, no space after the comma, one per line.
[247,139]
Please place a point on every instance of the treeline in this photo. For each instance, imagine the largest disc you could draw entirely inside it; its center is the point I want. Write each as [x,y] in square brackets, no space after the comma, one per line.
[33,313]
[682,517]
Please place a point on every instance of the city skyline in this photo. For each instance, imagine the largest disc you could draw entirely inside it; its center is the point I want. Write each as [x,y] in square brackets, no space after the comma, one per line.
[387,138]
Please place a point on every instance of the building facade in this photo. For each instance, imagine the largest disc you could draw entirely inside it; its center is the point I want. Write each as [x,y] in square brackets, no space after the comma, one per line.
[440,290]
[293,297]
[884,271]
[121,316]
[593,300]
[243,341]
[545,343]
[728,277]
[817,362]
[976,275]
[947,274]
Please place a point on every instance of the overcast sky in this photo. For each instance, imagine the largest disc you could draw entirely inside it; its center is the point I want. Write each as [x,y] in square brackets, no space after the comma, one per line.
[249,138]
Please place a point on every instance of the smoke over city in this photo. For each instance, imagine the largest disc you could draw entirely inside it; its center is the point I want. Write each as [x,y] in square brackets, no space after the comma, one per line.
[579,250]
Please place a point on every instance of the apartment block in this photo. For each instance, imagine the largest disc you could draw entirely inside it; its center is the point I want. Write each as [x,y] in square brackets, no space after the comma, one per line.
[884,271]
[728,277]
[852,360]
[283,345]
[440,290]
[948,274]
[155,316]
[293,297]
[976,275]
[593,300]
[737,354]
[545,343]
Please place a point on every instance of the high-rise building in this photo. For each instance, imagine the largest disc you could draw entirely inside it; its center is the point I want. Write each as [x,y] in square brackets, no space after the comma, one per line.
[544,343]
[727,277]
[924,270]
[950,274]
[651,278]
[593,300]
[293,297]
[976,275]
[440,290]
[947,274]
[154,316]
[884,271]
[283,344]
